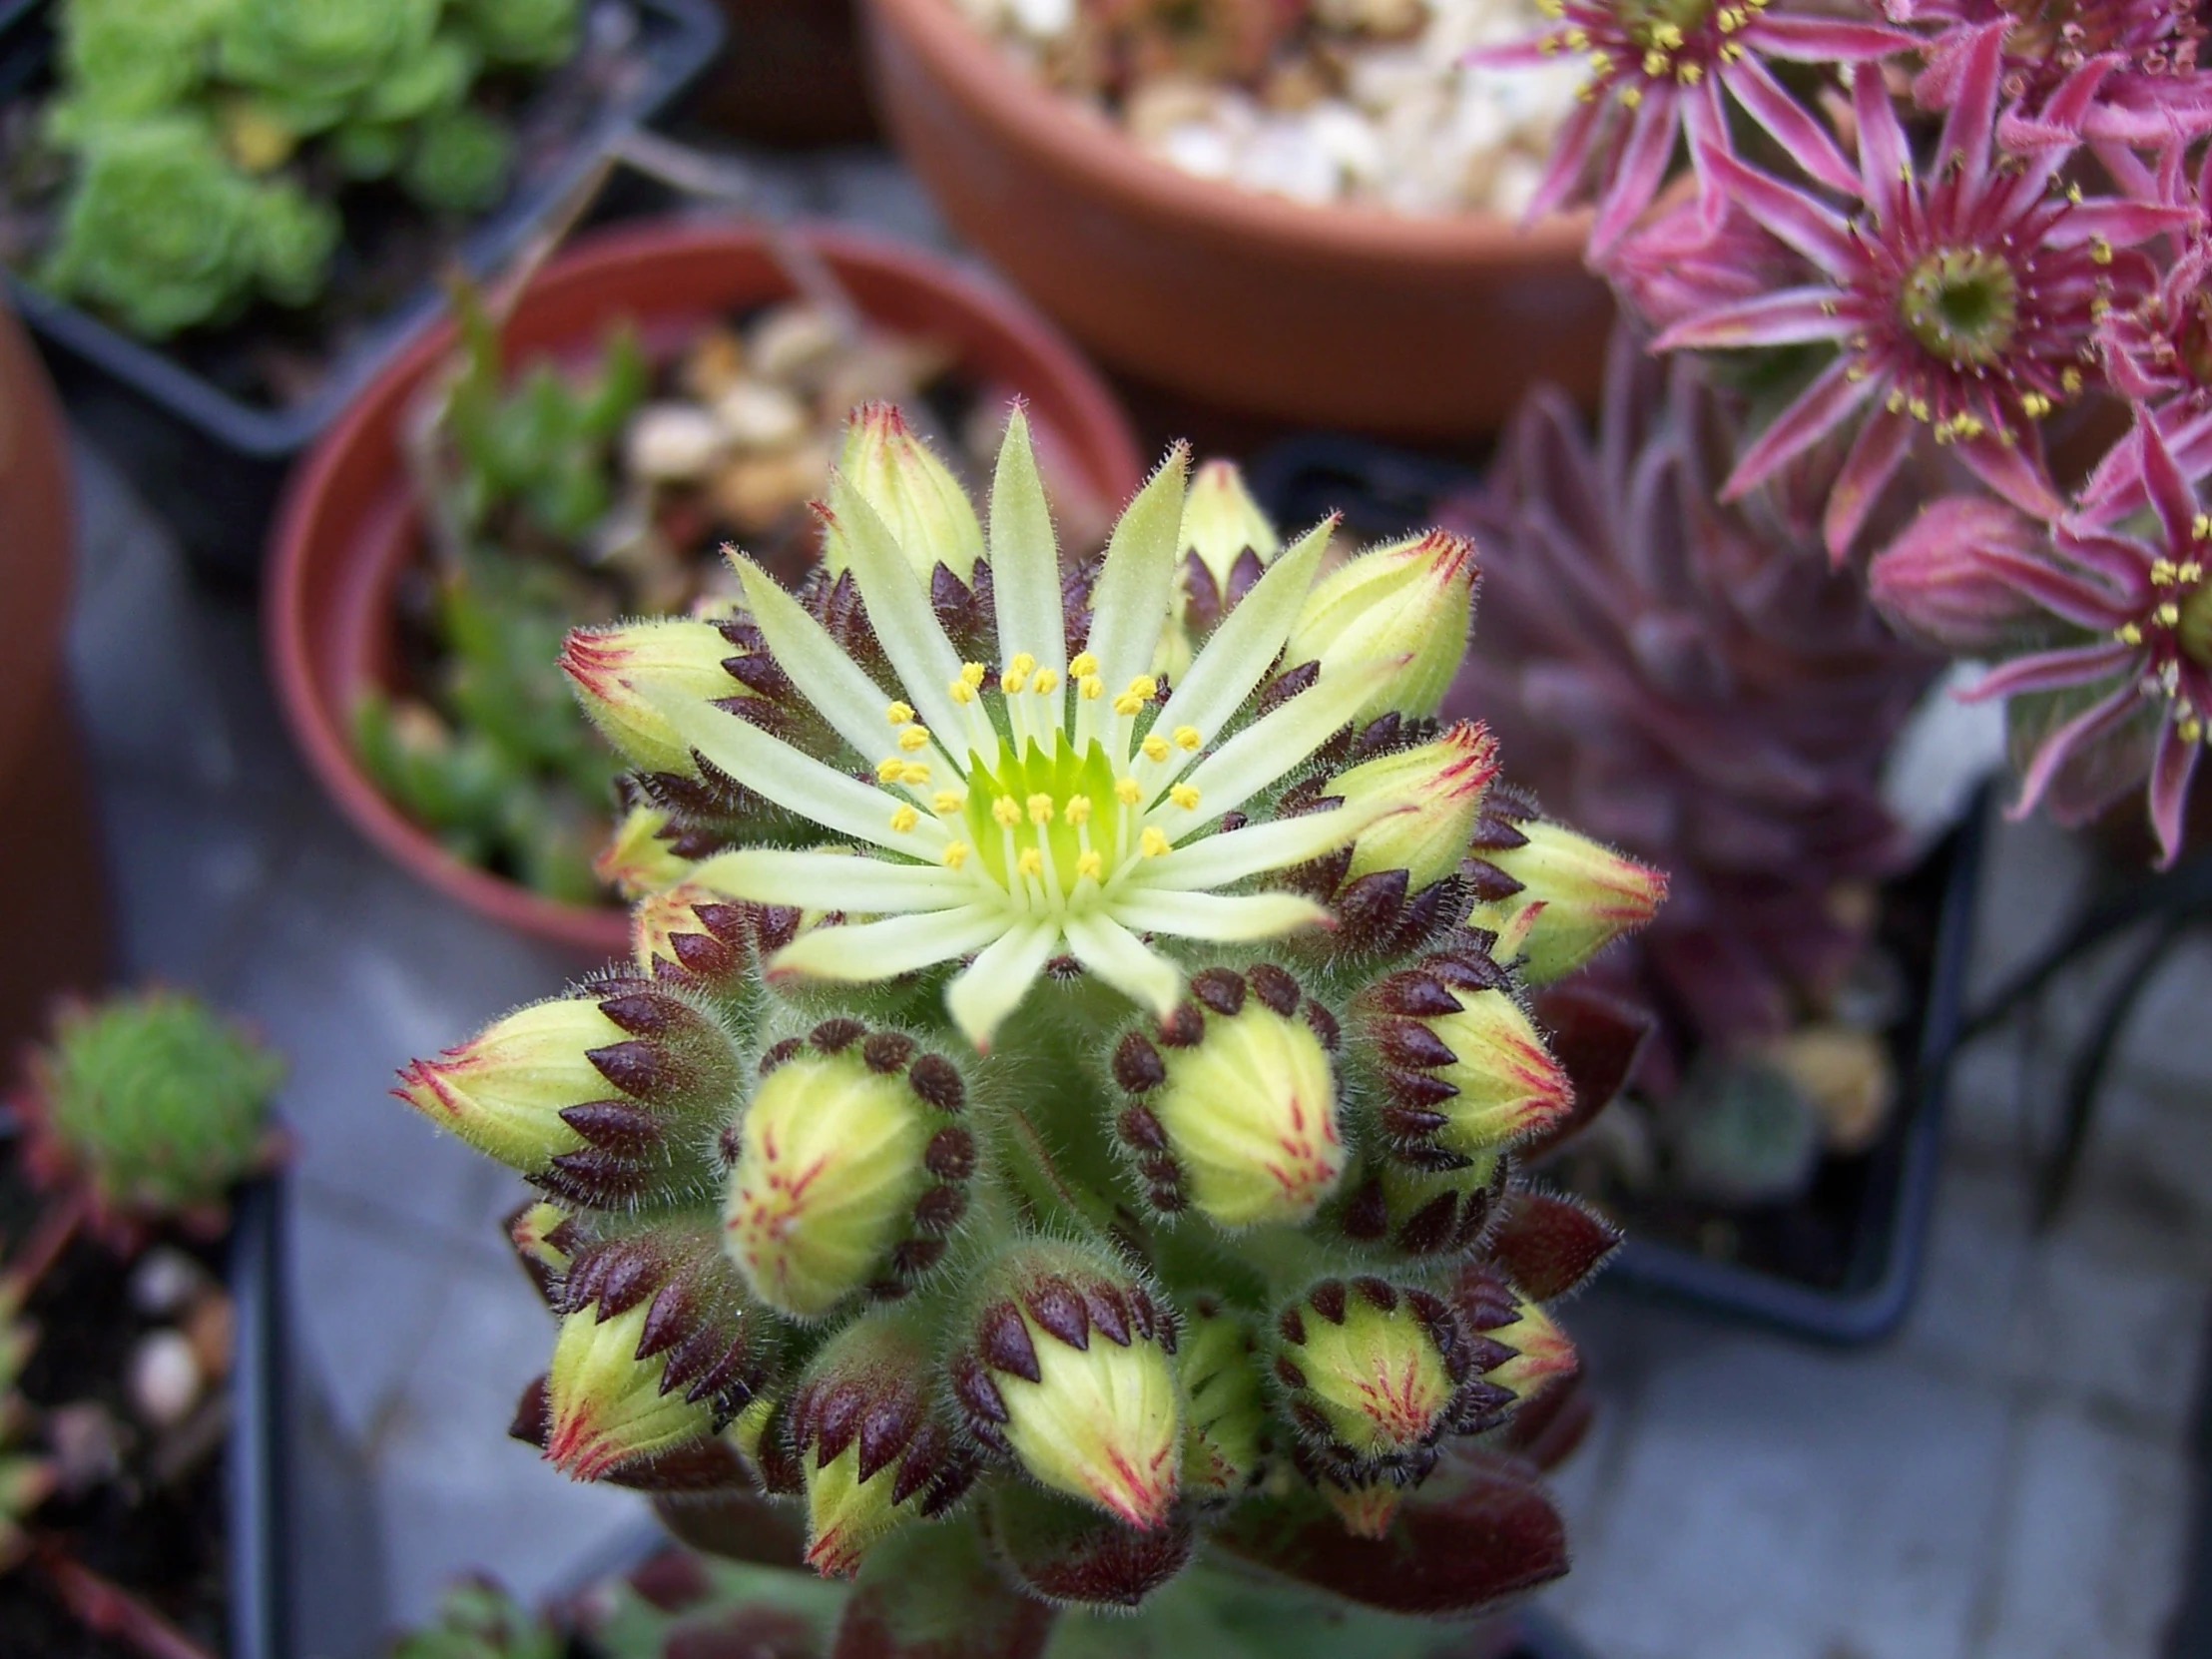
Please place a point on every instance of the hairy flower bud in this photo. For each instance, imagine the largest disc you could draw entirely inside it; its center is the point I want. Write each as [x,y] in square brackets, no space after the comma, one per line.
[1563,895]
[656,1348]
[1069,1368]
[1951,577]
[1442,781]
[545,1237]
[912,492]
[1222,524]
[638,860]
[1412,602]
[849,1167]
[505,1090]
[872,1452]
[1465,1070]
[1434,1211]
[1224,1431]
[611,667]
[1374,1375]
[1530,1351]
[1235,1105]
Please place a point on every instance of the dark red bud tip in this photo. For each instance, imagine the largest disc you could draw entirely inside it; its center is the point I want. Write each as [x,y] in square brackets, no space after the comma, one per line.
[636,1068]
[833,1037]
[980,1397]
[1290,1326]
[1141,1130]
[1377,1293]
[939,1209]
[1419,995]
[533,1418]
[779,1053]
[886,1051]
[1109,1311]
[950,1155]
[1137,1064]
[1287,1372]
[1220,989]
[1328,1300]
[1325,1025]
[704,957]
[1367,1214]
[1405,1042]
[1004,1341]
[1547,1246]
[1183,1028]
[936,1082]
[1057,1307]
[1274,988]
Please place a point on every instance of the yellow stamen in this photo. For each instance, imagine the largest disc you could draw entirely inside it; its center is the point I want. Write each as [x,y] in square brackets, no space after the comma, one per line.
[1043,681]
[1126,792]
[946,801]
[1022,664]
[2129,633]
[961,692]
[1040,808]
[913,737]
[1078,808]
[1091,688]
[1006,811]
[955,854]
[971,675]
[1152,844]
[1186,736]
[1155,747]
[898,714]
[1184,795]
[1091,864]
[1030,862]
[905,819]
[1011,682]
[1084,666]
[914,771]
[889,768]
[2169,614]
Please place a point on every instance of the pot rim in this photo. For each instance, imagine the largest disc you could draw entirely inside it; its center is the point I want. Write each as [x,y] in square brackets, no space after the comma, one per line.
[1031,115]
[1099,430]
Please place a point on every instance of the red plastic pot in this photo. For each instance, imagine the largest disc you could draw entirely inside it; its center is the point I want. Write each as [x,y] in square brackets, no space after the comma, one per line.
[1344,316]
[350,524]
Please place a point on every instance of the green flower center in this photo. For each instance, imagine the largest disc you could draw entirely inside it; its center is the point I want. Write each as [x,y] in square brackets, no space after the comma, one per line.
[1048,822]
[1662,25]
[1963,305]
[2193,630]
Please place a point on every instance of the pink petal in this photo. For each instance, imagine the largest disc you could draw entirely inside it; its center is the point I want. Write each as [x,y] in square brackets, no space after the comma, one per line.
[1972,114]
[1642,167]
[1824,40]
[1814,231]
[2171,494]
[1884,160]
[1785,318]
[2074,665]
[2092,723]
[1570,159]
[2063,594]
[2122,223]
[1819,409]
[1792,124]
[2171,768]
[1519,54]
[1873,462]
[2014,473]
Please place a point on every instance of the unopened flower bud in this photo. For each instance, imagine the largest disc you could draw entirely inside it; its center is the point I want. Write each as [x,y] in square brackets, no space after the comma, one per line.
[545,1236]
[1225,1432]
[506,1090]
[1442,781]
[850,1167]
[1518,1345]
[656,1348]
[871,1452]
[1233,1106]
[691,926]
[1412,602]
[638,860]
[1951,577]
[1465,1070]
[912,492]
[1589,895]
[612,668]
[1374,1374]
[1366,1503]
[1432,1212]
[1069,1368]
[1227,542]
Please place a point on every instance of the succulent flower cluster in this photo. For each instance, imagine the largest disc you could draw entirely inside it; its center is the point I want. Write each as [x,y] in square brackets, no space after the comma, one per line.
[1066,1097]
[198,129]
[1948,227]
[149,1106]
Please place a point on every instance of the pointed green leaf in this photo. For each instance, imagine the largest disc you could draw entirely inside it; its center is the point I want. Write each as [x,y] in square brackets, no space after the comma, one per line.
[1025,558]
[1136,585]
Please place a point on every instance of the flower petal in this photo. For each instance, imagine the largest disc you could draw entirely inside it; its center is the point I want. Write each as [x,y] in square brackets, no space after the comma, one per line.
[835,882]
[1272,745]
[899,612]
[1136,585]
[1125,961]
[2087,727]
[1872,464]
[1220,917]
[1640,168]
[1814,231]
[992,987]
[1804,138]
[885,949]
[1885,159]
[2171,496]
[2048,670]
[1823,405]
[771,767]
[1233,855]
[1802,39]
[1972,115]
[1240,652]
[1025,556]
[2173,765]
[1783,319]
[2014,471]
[845,697]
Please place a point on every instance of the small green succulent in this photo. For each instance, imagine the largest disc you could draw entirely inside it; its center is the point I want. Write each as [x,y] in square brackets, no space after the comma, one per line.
[24,1479]
[460,162]
[476,1619]
[151,1103]
[165,233]
[525,33]
[124,58]
[319,60]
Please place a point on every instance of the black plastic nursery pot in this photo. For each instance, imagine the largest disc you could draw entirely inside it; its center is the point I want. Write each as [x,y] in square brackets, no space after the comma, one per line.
[1875,1208]
[209,459]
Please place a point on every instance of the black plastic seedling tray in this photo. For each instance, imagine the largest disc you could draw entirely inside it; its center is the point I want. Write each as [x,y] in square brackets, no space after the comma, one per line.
[1890,1191]
[210,461]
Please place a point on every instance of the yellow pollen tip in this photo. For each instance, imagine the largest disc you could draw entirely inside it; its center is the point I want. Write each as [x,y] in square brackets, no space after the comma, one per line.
[2070,380]
[1006,811]
[913,737]
[1011,682]
[955,854]
[1128,703]
[1078,810]
[1152,844]
[2100,252]
[1155,748]
[971,675]
[1090,864]
[2129,633]
[914,771]
[1186,736]
[1044,680]
[898,714]
[1184,795]
[1030,862]
[2169,614]
[1126,792]
[889,768]
[1023,664]
[946,801]
[1084,666]
[1092,688]
[1040,808]
[961,692]
[905,819]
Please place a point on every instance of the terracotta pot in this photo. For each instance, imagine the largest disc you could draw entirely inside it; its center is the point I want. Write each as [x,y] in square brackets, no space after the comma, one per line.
[52,889]
[1427,328]
[349,525]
